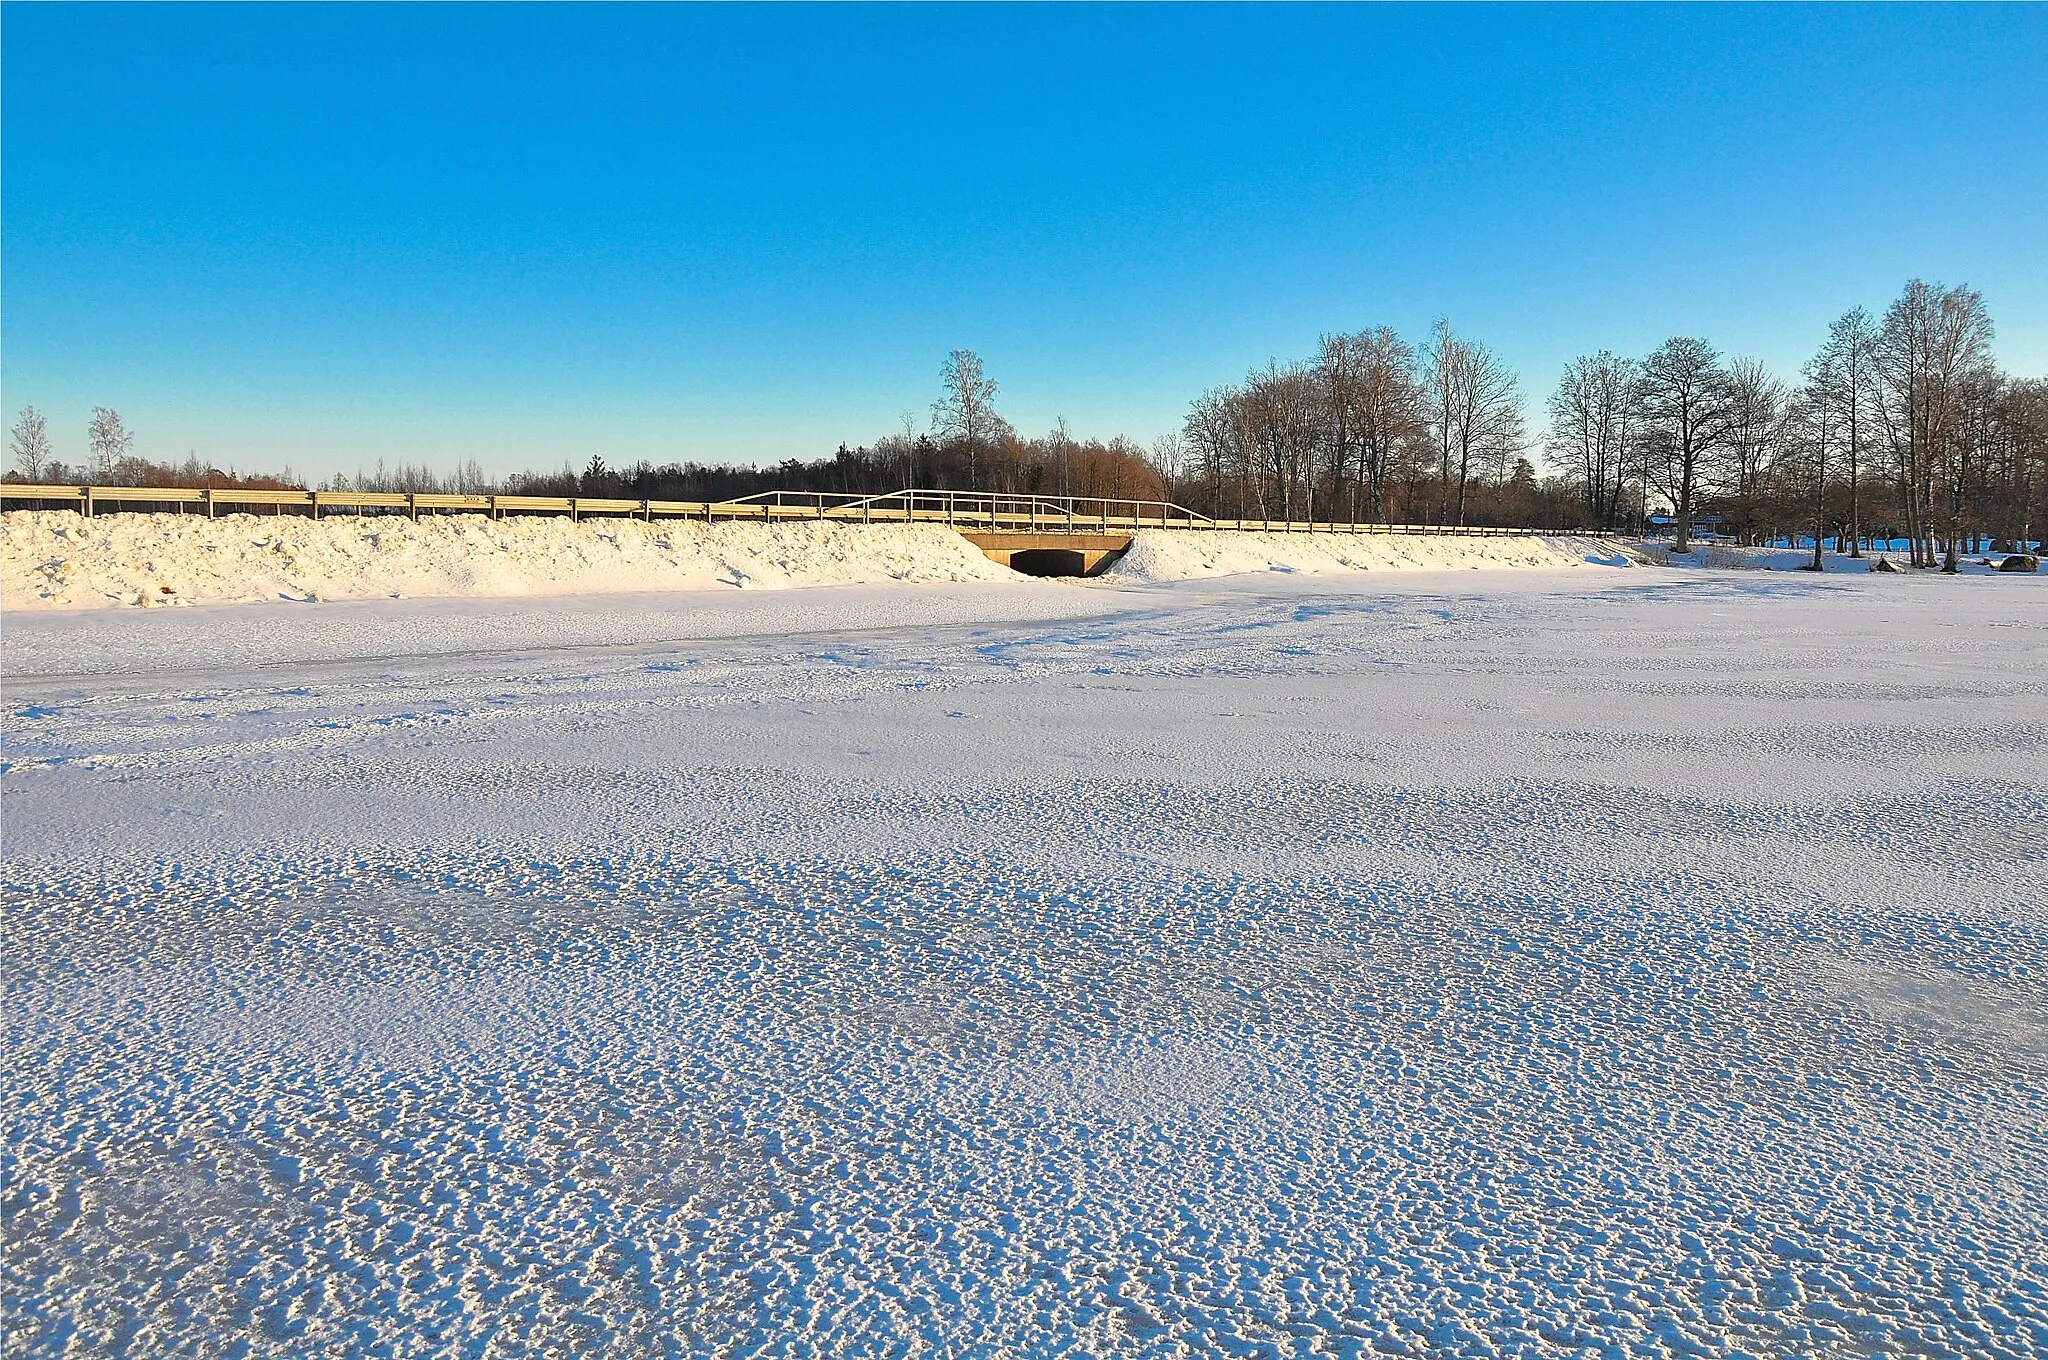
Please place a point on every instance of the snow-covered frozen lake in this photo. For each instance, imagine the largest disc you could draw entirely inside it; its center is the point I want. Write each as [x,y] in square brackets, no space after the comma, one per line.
[1516,963]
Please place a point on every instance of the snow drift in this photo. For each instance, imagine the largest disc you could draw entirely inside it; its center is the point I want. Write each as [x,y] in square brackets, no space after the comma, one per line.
[1179,555]
[61,559]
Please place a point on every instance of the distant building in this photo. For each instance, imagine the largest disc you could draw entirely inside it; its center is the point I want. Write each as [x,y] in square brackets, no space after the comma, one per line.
[1703,526]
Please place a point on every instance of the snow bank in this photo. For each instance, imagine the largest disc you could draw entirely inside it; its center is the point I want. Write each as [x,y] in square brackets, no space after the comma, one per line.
[1735,557]
[59,559]
[1179,555]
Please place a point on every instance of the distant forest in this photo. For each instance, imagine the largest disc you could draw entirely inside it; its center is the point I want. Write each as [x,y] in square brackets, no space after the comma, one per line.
[1899,426]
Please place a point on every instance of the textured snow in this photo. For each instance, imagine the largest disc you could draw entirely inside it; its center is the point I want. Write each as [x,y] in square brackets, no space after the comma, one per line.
[60,559]
[1739,557]
[1180,555]
[1632,963]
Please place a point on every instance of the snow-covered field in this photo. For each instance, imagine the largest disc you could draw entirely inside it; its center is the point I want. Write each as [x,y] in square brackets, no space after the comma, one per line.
[1631,962]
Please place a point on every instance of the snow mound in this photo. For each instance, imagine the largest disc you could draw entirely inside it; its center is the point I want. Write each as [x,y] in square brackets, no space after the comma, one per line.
[59,559]
[1738,557]
[1180,555]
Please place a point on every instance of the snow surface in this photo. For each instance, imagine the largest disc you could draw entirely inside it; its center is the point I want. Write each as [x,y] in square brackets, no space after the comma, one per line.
[1180,555]
[1435,964]
[61,560]
[1739,557]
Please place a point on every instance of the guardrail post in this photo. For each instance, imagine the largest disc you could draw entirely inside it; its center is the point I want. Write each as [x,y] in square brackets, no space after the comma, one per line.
[572,509]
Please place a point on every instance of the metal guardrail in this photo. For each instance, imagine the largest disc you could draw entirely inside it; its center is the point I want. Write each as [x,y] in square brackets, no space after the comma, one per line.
[989,509]
[983,510]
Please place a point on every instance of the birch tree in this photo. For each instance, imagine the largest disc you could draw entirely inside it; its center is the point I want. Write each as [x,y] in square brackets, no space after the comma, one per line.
[966,411]
[109,442]
[29,442]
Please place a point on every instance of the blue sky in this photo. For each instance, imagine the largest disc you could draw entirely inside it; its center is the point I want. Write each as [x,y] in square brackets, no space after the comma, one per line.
[324,235]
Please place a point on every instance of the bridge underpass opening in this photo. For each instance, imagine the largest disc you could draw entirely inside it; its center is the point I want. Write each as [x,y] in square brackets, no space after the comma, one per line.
[1051,562]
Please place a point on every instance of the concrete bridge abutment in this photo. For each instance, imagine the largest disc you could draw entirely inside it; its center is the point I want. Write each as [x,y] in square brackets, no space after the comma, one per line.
[1049,553]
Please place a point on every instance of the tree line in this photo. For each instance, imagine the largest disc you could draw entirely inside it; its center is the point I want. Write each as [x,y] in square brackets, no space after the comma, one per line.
[1899,426]
[111,460]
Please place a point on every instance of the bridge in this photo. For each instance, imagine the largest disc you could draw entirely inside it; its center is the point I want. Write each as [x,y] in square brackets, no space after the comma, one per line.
[1037,535]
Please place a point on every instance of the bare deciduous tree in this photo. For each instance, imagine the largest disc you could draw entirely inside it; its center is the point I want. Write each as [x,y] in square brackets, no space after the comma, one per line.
[1591,415]
[1375,409]
[1681,409]
[1934,343]
[1752,436]
[108,441]
[967,411]
[1474,407]
[1062,441]
[1846,366]
[29,442]
[1816,427]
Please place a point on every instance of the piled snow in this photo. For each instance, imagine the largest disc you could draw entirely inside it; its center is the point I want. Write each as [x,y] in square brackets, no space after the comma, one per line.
[1576,964]
[60,559]
[1179,554]
[1742,557]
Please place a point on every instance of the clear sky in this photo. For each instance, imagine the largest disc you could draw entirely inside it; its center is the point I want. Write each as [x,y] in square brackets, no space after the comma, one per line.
[324,235]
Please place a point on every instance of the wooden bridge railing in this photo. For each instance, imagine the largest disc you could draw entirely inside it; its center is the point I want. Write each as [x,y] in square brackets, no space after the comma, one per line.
[983,510]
